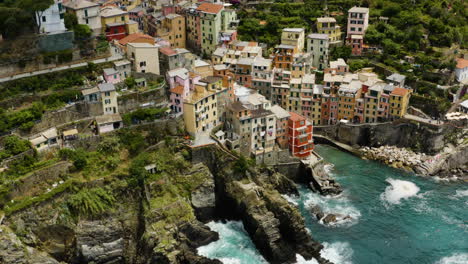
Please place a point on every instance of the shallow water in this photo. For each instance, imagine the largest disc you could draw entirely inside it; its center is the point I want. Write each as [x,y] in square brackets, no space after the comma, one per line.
[397,217]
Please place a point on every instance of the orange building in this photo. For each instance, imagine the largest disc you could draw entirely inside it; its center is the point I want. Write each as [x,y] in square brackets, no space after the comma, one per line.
[283,56]
[301,142]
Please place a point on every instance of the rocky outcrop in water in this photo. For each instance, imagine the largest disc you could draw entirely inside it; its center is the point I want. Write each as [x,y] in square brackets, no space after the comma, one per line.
[275,226]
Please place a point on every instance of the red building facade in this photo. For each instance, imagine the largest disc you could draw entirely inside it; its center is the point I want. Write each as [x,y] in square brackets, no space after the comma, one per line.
[116,31]
[301,143]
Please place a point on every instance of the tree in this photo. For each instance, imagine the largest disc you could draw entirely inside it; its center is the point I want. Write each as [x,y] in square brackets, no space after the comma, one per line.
[82,32]
[130,82]
[343,52]
[71,21]
[32,7]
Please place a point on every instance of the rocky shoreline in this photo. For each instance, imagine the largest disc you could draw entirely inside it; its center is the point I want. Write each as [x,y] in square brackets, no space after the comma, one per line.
[395,157]
[451,164]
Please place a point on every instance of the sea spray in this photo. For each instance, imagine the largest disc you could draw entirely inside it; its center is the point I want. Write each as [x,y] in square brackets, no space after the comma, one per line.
[336,252]
[234,245]
[459,258]
[340,204]
[398,190]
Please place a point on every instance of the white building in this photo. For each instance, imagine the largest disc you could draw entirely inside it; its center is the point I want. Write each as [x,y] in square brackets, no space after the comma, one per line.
[318,45]
[87,13]
[144,57]
[461,70]
[51,19]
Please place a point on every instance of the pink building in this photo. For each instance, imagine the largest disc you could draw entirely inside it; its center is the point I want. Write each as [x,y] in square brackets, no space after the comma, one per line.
[358,21]
[111,76]
[181,82]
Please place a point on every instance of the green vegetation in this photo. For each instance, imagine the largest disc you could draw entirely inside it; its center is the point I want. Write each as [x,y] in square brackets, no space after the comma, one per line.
[78,157]
[19,16]
[144,114]
[23,119]
[243,164]
[13,145]
[46,82]
[90,202]
[29,201]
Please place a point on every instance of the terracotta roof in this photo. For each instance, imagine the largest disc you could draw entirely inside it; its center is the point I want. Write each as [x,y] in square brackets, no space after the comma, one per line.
[296,117]
[399,91]
[179,89]
[168,51]
[133,37]
[210,8]
[462,63]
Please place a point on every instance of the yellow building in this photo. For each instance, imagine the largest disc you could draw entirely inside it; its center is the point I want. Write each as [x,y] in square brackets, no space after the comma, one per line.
[372,103]
[293,37]
[348,94]
[399,100]
[327,25]
[173,30]
[112,16]
[200,108]
[144,57]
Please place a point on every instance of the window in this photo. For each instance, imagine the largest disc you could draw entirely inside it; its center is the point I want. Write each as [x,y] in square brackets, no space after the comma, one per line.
[122,18]
[43,18]
[107,93]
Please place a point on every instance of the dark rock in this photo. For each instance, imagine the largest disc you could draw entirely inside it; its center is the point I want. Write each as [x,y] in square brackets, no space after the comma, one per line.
[57,240]
[203,198]
[197,234]
[100,241]
[329,219]
[317,212]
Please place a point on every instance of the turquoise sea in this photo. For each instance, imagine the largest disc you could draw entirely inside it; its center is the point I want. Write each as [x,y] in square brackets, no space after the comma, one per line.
[397,218]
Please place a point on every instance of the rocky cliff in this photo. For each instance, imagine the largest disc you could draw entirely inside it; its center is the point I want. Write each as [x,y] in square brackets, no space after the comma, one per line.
[401,133]
[160,219]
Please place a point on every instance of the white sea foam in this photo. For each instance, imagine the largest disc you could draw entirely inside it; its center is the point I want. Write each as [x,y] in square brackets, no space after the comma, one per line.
[233,245]
[230,261]
[334,205]
[329,168]
[337,252]
[290,199]
[460,258]
[461,193]
[301,260]
[398,190]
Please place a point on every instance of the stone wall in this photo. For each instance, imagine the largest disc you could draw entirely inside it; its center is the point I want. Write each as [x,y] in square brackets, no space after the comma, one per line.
[31,184]
[133,101]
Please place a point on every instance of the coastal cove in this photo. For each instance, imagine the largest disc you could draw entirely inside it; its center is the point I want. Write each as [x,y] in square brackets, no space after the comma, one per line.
[397,217]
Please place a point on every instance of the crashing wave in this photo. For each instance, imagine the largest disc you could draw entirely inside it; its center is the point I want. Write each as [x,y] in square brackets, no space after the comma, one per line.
[460,258]
[234,245]
[340,205]
[398,190]
[337,252]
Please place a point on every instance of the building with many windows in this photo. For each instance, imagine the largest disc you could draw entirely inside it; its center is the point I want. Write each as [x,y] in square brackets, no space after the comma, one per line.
[358,21]
[328,25]
[318,45]
[301,143]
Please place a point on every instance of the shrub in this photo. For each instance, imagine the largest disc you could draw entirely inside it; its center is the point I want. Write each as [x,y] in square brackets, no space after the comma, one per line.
[90,202]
